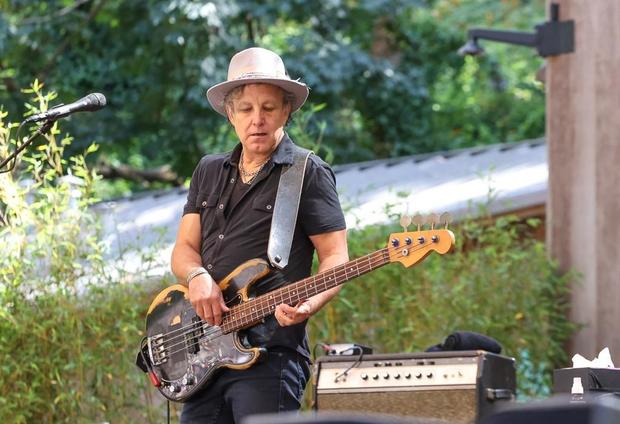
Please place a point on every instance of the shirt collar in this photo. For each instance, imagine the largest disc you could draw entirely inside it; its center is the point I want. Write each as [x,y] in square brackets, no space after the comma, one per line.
[283,155]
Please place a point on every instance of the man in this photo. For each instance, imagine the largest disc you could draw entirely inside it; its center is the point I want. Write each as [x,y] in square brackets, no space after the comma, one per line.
[226,221]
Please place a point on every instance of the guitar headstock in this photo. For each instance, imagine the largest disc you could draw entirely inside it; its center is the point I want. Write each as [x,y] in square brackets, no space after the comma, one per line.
[411,247]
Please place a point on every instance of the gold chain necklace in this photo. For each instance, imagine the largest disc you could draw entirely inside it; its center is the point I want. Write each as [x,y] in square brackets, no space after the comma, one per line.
[251,175]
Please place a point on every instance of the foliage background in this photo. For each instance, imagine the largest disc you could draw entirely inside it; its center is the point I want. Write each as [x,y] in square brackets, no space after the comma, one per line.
[71,319]
[386,71]
[386,81]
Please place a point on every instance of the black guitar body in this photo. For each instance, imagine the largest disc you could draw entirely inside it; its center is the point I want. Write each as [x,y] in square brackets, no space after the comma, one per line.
[184,351]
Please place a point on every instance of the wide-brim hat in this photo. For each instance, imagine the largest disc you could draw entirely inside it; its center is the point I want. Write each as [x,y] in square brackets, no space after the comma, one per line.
[255,66]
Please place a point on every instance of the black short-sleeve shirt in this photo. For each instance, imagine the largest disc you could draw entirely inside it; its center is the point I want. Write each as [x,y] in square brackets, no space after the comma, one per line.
[235,233]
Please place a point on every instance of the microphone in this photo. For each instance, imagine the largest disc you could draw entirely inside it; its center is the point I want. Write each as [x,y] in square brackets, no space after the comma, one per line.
[89,103]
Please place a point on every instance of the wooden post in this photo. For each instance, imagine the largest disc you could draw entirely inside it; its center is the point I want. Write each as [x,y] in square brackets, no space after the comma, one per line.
[583,136]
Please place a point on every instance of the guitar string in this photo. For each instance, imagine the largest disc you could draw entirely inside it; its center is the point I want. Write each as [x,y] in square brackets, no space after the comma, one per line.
[238,308]
[215,329]
[250,314]
[245,305]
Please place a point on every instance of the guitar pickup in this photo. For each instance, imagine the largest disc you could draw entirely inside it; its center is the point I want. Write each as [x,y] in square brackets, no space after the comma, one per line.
[192,337]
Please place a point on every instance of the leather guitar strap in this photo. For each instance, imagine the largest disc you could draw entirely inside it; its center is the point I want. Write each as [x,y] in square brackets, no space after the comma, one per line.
[286,207]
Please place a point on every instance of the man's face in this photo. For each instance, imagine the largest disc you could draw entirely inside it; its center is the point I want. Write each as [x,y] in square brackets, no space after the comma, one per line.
[258,115]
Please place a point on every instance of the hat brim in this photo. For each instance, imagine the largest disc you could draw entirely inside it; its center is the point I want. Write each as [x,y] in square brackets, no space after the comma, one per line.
[218,92]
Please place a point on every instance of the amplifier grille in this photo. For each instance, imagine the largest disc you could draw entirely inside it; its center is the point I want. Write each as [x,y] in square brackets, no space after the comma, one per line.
[454,406]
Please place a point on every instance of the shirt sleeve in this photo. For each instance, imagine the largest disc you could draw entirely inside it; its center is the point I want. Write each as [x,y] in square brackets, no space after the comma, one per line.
[319,208]
[194,185]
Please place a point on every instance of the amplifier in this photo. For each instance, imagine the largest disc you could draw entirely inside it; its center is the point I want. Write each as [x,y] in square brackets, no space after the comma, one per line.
[458,387]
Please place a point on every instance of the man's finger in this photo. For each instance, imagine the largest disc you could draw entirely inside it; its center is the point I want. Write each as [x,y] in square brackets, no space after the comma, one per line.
[223,306]
[200,310]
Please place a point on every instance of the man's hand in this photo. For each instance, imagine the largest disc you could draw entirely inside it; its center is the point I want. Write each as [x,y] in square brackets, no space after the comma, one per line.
[289,315]
[206,298]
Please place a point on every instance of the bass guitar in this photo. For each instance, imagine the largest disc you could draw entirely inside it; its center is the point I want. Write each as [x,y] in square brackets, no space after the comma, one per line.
[182,352]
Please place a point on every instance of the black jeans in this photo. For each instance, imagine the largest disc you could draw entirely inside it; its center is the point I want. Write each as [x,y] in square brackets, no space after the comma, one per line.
[276,384]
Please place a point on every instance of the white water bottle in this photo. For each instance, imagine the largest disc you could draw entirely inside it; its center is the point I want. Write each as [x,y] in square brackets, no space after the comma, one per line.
[576,392]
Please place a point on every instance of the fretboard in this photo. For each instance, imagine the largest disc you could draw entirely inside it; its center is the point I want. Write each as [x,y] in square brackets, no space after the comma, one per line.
[249,313]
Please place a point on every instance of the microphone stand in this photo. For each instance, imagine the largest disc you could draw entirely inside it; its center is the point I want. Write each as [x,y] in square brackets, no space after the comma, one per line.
[47,125]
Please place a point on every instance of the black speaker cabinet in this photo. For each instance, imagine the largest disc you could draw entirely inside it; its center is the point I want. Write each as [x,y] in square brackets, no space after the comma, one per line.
[457,387]
[601,409]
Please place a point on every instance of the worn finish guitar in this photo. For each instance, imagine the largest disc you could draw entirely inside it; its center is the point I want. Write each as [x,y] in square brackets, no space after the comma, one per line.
[184,352]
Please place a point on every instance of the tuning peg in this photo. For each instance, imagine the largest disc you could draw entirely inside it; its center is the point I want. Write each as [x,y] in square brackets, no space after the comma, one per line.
[433,219]
[418,220]
[446,219]
[405,221]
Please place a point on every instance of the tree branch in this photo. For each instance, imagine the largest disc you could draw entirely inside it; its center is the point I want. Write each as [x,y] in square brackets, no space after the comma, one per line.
[62,12]
[161,174]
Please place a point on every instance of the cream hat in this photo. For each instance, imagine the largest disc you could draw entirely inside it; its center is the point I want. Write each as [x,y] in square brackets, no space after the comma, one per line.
[254,66]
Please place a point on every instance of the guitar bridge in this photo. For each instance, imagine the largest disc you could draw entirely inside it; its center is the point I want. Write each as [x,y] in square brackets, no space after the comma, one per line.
[157,349]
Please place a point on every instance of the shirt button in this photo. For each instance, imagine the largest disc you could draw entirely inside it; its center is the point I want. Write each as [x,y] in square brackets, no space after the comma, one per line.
[232,180]
[221,206]
[221,236]
[209,266]
[204,203]
[268,207]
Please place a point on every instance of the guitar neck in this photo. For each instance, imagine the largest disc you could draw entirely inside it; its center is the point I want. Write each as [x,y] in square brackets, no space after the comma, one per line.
[252,312]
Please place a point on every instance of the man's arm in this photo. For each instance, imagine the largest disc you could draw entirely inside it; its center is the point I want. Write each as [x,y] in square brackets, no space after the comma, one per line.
[204,293]
[332,250]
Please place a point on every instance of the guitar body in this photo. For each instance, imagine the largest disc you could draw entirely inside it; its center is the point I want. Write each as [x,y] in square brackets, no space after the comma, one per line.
[185,351]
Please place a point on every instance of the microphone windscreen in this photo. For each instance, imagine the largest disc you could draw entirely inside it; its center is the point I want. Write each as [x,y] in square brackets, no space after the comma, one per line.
[101,99]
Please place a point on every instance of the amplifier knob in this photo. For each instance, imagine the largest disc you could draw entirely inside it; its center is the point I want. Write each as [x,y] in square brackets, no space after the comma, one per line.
[364,376]
[397,376]
[418,375]
[429,375]
[386,375]
[375,377]
[408,375]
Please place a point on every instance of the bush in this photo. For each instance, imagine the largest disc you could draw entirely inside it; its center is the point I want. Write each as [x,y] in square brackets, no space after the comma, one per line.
[496,283]
[70,323]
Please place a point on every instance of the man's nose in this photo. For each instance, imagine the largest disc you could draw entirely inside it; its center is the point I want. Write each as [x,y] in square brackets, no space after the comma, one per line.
[258,117]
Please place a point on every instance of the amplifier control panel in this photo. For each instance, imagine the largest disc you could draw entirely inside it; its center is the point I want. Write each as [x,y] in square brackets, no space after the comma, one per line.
[403,374]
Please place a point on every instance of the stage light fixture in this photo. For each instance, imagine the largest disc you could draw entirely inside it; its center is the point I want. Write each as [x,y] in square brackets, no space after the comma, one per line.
[551,38]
